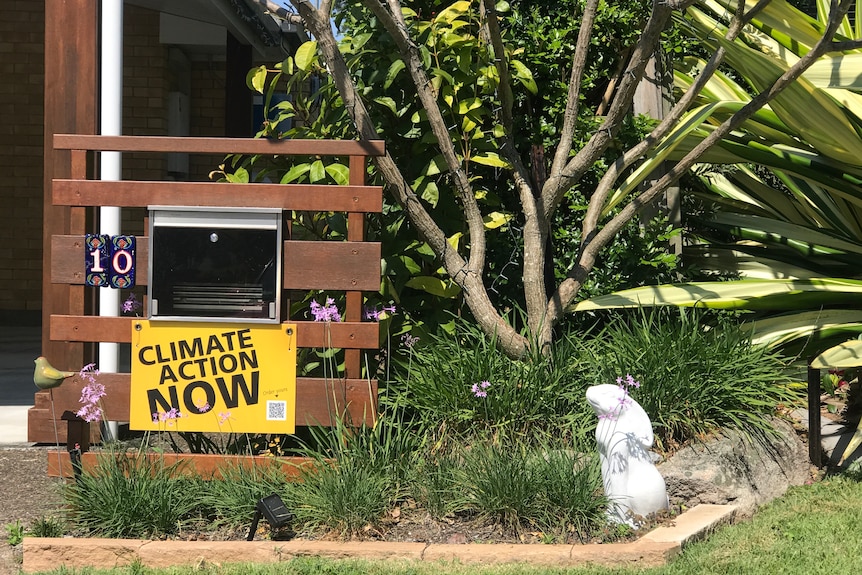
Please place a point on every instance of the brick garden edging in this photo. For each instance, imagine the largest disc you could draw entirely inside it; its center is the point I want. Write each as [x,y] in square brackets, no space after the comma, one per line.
[654,548]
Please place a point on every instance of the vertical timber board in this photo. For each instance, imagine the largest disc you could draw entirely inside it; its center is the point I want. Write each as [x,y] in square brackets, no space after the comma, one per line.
[355,233]
[71,36]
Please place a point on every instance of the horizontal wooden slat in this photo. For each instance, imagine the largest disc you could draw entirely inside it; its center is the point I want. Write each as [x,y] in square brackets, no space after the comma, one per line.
[318,401]
[329,265]
[300,197]
[346,335]
[332,265]
[219,145]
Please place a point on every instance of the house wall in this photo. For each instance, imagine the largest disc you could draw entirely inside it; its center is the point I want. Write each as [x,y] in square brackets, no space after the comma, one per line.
[147,81]
[22,65]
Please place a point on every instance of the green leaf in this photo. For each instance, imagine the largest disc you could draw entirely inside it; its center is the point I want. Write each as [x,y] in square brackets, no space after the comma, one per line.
[452,12]
[845,355]
[295,173]
[468,104]
[430,193]
[739,294]
[393,71]
[306,55]
[388,102]
[491,159]
[435,166]
[523,74]
[783,329]
[434,286]
[256,79]
[339,173]
[495,220]
[240,176]
[425,54]
[317,172]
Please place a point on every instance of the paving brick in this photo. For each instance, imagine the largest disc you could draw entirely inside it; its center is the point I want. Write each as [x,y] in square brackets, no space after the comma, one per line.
[654,548]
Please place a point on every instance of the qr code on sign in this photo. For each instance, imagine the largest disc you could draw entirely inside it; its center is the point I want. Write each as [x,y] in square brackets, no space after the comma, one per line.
[276,410]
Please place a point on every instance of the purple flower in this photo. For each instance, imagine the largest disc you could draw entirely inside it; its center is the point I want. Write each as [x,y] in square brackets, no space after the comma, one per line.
[223,416]
[409,341]
[168,416]
[374,313]
[91,395]
[478,389]
[204,407]
[629,381]
[625,384]
[371,313]
[131,305]
[328,312]
[89,373]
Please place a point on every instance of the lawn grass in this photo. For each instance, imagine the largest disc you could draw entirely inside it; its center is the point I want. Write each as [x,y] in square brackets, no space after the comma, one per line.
[812,529]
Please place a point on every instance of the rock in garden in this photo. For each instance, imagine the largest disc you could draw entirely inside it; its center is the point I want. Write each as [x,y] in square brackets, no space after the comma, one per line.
[733,469]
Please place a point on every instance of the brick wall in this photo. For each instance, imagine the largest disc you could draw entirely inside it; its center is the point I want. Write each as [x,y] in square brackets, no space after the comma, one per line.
[22,29]
[145,90]
[207,112]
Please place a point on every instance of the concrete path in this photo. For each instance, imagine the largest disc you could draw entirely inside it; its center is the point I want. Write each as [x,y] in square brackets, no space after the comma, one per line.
[19,346]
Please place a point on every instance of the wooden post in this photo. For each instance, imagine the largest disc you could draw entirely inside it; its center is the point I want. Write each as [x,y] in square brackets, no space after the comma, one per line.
[71,39]
[815,448]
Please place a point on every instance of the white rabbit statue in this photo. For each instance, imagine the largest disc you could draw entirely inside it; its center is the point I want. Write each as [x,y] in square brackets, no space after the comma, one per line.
[634,487]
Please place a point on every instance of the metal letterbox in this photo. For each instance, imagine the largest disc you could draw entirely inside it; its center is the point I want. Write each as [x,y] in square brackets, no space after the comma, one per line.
[215,264]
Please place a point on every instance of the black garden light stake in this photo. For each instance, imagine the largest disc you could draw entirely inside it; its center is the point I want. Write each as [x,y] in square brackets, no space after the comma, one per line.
[275,512]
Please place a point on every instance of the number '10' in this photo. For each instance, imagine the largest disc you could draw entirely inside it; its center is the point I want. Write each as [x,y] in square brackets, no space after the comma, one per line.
[119,256]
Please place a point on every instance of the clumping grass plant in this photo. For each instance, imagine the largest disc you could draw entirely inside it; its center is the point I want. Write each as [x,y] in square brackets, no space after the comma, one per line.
[343,496]
[230,499]
[547,488]
[358,474]
[129,496]
[459,383]
[696,376]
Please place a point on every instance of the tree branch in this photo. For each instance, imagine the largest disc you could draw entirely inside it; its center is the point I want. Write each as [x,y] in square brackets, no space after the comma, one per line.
[579,64]
[471,284]
[394,24]
[561,180]
[568,289]
[599,197]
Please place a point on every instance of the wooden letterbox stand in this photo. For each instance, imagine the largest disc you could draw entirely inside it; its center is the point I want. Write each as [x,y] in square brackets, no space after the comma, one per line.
[351,267]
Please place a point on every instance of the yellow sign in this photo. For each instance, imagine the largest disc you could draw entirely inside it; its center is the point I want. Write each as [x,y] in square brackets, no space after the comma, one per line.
[233,378]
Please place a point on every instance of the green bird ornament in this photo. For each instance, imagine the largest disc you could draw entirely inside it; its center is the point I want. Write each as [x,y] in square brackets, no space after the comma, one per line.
[46,376]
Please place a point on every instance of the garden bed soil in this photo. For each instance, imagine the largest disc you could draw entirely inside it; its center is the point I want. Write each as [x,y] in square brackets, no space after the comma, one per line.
[27,493]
